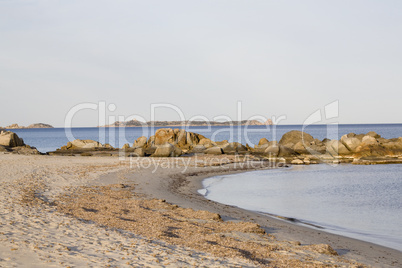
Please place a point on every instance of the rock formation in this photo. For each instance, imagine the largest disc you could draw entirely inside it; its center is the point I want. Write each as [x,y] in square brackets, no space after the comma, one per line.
[294,147]
[10,142]
[10,139]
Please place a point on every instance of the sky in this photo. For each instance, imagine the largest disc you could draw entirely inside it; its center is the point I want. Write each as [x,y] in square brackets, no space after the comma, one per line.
[62,61]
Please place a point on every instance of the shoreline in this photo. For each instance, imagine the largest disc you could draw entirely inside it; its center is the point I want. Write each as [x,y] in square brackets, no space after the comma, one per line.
[101,189]
[182,190]
[386,239]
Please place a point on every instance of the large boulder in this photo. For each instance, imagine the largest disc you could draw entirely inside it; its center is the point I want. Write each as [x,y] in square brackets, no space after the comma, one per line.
[140,142]
[151,141]
[291,138]
[164,135]
[351,142]
[178,137]
[126,146]
[222,144]
[138,152]
[368,139]
[167,150]
[234,148]
[10,139]
[335,148]
[263,141]
[207,143]
[393,145]
[214,150]
[373,134]
[272,150]
[193,138]
[83,144]
[199,149]
[286,151]
[300,148]
[259,148]
[149,150]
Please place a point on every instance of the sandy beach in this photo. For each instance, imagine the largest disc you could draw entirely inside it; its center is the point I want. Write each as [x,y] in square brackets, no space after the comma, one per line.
[61,211]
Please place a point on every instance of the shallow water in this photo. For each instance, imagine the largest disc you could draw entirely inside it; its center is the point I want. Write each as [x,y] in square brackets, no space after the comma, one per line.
[362,202]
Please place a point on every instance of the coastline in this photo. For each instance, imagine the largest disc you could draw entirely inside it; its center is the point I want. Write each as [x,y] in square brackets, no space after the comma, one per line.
[182,190]
[36,189]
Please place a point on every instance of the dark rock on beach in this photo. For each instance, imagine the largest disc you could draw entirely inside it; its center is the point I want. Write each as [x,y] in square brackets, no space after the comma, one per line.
[10,142]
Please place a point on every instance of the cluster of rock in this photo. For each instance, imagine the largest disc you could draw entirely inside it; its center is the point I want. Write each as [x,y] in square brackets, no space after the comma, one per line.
[295,147]
[175,142]
[357,148]
[10,142]
[37,125]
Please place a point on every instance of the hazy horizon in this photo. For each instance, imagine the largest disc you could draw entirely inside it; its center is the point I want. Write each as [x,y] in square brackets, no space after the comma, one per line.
[277,58]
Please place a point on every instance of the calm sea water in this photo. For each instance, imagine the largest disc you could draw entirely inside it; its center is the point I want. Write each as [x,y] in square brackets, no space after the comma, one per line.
[363,202]
[49,139]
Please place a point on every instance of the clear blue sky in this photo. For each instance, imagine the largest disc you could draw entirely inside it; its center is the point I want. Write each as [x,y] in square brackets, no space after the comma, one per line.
[276,57]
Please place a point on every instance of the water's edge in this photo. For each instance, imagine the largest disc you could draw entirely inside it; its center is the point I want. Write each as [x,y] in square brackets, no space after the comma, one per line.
[356,233]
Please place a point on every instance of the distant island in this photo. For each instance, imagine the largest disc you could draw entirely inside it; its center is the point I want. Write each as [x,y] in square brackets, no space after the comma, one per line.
[37,125]
[136,123]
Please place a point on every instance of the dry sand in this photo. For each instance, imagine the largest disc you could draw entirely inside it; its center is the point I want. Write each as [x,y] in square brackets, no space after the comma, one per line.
[99,212]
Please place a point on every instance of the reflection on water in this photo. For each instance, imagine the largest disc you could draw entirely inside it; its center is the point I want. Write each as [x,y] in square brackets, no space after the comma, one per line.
[363,202]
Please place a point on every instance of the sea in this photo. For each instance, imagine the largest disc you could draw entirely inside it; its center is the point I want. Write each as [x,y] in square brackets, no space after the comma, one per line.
[362,202]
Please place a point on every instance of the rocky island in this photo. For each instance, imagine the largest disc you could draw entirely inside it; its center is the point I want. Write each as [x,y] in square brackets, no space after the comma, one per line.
[36,125]
[136,123]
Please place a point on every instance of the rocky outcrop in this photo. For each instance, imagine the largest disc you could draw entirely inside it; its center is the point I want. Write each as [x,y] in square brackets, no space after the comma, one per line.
[10,142]
[181,140]
[83,144]
[294,147]
[291,138]
[10,139]
[86,148]
[140,142]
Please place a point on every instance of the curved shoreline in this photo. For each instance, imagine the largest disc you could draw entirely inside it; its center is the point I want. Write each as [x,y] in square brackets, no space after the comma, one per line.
[384,230]
[182,190]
